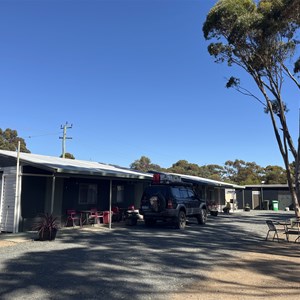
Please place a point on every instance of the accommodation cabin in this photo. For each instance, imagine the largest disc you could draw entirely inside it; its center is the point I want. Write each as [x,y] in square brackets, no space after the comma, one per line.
[260,196]
[31,184]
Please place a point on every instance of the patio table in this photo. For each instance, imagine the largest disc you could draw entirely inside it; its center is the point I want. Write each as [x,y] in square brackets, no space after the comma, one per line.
[85,215]
[297,222]
[291,230]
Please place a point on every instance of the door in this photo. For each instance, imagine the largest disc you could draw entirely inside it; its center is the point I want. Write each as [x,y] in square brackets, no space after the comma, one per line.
[255,200]
[195,202]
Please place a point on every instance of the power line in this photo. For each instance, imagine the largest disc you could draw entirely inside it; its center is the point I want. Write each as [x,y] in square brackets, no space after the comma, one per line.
[40,135]
[64,137]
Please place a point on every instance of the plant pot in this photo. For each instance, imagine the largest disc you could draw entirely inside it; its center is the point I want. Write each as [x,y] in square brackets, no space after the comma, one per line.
[226,210]
[214,213]
[46,236]
[131,221]
[247,209]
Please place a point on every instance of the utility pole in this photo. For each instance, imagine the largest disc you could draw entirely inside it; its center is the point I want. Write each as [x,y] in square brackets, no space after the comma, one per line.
[64,137]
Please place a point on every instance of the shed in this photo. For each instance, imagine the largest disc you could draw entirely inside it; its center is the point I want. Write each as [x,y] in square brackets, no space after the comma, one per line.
[260,196]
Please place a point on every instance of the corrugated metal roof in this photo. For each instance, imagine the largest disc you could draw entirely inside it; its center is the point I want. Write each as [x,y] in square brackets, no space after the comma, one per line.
[74,166]
[209,181]
[81,167]
[267,185]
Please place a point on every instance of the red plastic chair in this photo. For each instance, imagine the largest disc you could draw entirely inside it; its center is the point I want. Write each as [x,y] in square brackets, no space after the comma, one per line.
[117,214]
[73,216]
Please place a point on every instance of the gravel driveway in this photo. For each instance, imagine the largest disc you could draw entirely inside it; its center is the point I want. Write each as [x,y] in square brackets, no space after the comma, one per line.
[138,262]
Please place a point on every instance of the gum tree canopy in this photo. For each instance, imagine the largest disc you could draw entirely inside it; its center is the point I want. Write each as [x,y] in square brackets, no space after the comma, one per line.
[9,141]
[260,37]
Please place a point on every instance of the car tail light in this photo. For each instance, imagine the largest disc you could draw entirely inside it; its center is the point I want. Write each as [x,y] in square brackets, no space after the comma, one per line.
[156,178]
[170,203]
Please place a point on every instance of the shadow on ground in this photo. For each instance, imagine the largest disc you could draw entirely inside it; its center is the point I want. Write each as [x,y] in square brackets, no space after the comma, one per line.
[140,262]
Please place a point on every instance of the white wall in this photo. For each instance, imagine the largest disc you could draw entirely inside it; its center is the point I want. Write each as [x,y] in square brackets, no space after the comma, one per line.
[7,204]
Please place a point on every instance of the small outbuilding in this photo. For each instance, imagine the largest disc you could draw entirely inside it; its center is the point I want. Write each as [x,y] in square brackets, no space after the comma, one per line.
[261,196]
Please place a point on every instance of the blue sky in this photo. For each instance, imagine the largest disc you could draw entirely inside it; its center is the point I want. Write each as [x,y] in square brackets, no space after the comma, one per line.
[133,77]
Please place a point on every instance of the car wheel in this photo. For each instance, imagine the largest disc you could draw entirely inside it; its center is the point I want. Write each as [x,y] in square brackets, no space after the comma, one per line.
[202,217]
[181,220]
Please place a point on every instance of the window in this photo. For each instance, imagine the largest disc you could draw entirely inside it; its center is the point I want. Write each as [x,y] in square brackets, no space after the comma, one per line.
[120,193]
[191,194]
[183,193]
[175,192]
[87,193]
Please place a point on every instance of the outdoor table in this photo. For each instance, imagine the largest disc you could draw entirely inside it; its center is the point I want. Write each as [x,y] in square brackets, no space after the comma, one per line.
[285,224]
[85,215]
[297,222]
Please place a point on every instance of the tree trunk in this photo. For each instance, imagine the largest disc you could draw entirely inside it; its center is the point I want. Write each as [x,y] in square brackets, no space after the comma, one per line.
[282,144]
[297,181]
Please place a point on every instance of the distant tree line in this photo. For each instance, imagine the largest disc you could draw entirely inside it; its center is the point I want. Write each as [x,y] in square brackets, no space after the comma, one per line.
[238,171]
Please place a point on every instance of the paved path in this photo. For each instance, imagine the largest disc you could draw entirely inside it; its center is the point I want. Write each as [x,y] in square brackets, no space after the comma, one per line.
[134,262]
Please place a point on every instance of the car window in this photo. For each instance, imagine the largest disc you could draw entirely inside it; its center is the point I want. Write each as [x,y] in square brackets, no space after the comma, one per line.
[175,192]
[154,190]
[191,193]
[183,193]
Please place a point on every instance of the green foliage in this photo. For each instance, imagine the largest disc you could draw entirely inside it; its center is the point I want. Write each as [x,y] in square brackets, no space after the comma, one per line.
[184,167]
[276,107]
[214,172]
[297,66]
[256,37]
[232,82]
[260,37]
[237,171]
[243,173]
[9,141]
[144,164]
[68,155]
[274,175]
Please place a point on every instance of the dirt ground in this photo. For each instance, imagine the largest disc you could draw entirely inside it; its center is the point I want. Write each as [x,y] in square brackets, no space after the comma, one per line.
[251,276]
[271,272]
[6,243]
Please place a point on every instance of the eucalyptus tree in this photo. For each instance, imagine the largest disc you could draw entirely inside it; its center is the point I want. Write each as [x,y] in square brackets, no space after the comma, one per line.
[68,155]
[9,141]
[144,164]
[243,173]
[274,175]
[260,38]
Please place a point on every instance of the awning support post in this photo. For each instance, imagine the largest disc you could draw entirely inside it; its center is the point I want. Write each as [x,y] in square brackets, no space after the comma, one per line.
[110,200]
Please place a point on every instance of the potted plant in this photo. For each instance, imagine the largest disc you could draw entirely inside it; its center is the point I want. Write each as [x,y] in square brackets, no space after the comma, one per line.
[213,209]
[247,207]
[131,216]
[47,226]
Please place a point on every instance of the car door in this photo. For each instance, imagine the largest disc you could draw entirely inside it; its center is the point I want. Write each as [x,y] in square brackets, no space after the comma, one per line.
[185,199]
[195,202]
